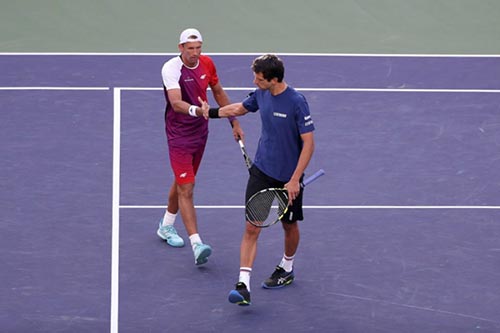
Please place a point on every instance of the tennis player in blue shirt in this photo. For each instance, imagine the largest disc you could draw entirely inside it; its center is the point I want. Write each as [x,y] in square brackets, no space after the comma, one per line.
[283,153]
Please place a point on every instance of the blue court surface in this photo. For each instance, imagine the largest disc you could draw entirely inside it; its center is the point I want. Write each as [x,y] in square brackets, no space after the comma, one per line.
[401,234]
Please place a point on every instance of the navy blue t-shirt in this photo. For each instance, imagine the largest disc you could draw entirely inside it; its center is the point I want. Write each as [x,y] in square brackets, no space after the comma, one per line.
[284,118]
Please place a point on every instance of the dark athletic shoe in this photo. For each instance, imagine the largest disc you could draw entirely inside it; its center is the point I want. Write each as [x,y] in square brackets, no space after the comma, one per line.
[278,279]
[240,295]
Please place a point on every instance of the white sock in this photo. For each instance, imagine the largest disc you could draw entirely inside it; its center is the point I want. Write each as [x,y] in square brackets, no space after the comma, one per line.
[195,238]
[287,263]
[168,218]
[245,273]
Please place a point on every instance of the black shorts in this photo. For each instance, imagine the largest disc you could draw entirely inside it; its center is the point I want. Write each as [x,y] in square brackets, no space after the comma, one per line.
[259,181]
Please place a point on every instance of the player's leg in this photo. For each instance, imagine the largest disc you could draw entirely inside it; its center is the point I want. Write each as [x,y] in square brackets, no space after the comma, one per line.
[283,274]
[185,190]
[248,251]
[248,247]
[186,207]
[173,199]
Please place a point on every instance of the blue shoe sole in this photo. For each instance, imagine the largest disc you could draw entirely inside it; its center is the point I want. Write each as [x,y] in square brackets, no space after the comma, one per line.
[236,298]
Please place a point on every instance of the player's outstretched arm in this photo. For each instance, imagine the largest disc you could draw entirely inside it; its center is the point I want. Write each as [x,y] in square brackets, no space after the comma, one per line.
[234,110]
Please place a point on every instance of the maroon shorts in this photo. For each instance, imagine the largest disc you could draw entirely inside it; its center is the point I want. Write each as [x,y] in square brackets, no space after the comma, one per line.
[185,163]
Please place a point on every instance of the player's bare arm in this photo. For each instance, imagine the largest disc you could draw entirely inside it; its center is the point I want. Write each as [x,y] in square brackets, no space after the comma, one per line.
[222,99]
[293,185]
[175,98]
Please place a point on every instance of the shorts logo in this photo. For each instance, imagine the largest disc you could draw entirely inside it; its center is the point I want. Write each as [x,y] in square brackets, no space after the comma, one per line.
[183,175]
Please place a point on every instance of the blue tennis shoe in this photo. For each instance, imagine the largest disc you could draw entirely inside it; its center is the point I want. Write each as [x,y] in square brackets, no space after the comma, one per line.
[169,234]
[201,253]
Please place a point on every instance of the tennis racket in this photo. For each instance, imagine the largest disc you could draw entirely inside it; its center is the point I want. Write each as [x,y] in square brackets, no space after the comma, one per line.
[248,160]
[269,205]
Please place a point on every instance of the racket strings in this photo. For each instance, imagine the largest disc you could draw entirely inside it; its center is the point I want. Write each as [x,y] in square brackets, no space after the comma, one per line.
[266,207]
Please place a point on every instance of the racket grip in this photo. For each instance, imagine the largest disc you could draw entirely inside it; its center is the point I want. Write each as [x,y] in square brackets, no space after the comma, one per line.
[313,177]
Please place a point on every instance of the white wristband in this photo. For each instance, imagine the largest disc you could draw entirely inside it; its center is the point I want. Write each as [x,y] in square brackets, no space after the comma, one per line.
[192,111]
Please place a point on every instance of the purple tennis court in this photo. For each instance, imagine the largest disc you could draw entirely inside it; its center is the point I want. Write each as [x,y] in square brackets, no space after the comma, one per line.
[400,235]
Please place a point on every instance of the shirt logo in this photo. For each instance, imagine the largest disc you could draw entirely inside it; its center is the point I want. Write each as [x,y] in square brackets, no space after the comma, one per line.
[280,115]
[203,76]
[308,120]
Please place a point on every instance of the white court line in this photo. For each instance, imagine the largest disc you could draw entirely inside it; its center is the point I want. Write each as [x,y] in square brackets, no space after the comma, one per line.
[403,90]
[115,234]
[321,207]
[399,55]
[54,88]
[398,90]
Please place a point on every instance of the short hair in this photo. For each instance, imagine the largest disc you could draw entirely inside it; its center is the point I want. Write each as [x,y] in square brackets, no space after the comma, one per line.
[270,66]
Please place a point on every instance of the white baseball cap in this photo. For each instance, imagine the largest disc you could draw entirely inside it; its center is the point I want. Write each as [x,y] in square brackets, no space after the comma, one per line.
[190,35]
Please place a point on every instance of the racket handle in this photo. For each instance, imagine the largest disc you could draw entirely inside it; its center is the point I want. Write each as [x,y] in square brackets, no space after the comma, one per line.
[247,159]
[313,177]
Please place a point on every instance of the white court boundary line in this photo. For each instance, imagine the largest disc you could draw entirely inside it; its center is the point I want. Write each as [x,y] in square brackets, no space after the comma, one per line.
[396,90]
[293,54]
[383,90]
[321,207]
[56,88]
[115,234]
